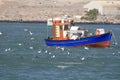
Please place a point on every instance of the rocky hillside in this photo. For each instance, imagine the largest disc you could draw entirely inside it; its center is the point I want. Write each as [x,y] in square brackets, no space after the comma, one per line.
[39,10]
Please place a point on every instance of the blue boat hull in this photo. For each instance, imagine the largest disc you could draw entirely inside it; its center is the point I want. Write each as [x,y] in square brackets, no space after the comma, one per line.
[93,41]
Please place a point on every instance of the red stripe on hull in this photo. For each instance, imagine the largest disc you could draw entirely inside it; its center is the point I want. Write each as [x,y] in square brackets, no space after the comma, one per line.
[104,44]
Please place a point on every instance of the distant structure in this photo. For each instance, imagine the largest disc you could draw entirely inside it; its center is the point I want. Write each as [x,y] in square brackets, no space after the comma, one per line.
[109,8]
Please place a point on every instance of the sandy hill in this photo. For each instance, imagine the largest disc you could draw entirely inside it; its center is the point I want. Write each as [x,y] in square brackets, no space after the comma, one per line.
[39,9]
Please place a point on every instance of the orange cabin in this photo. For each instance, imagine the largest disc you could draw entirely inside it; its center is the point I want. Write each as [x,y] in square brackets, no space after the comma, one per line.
[60,28]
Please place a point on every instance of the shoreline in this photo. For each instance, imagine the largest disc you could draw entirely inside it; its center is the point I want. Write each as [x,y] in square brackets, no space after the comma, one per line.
[10,21]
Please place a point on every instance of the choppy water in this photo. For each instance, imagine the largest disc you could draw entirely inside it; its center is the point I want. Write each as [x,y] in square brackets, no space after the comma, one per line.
[24,55]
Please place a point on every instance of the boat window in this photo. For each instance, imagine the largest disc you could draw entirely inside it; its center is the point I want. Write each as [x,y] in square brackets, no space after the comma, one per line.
[66,27]
[60,27]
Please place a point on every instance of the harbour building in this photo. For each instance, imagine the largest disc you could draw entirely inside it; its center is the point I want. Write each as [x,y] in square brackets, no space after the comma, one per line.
[107,8]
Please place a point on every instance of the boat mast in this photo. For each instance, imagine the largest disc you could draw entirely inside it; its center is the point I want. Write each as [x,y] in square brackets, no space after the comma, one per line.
[49,23]
[47,32]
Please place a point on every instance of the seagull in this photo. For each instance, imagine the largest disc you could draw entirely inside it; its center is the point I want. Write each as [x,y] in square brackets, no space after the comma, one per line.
[53,56]
[9,49]
[6,50]
[30,33]
[32,38]
[49,52]
[46,51]
[82,58]
[0,33]
[68,53]
[86,48]
[19,44]
[113,53]
[25,29]
[62,49]
[39,51]
[31,47]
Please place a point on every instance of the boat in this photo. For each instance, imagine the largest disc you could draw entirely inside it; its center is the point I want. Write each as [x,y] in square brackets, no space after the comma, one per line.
[66,34]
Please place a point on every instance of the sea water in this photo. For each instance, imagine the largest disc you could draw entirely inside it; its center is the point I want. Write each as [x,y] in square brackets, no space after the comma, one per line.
[24,55]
